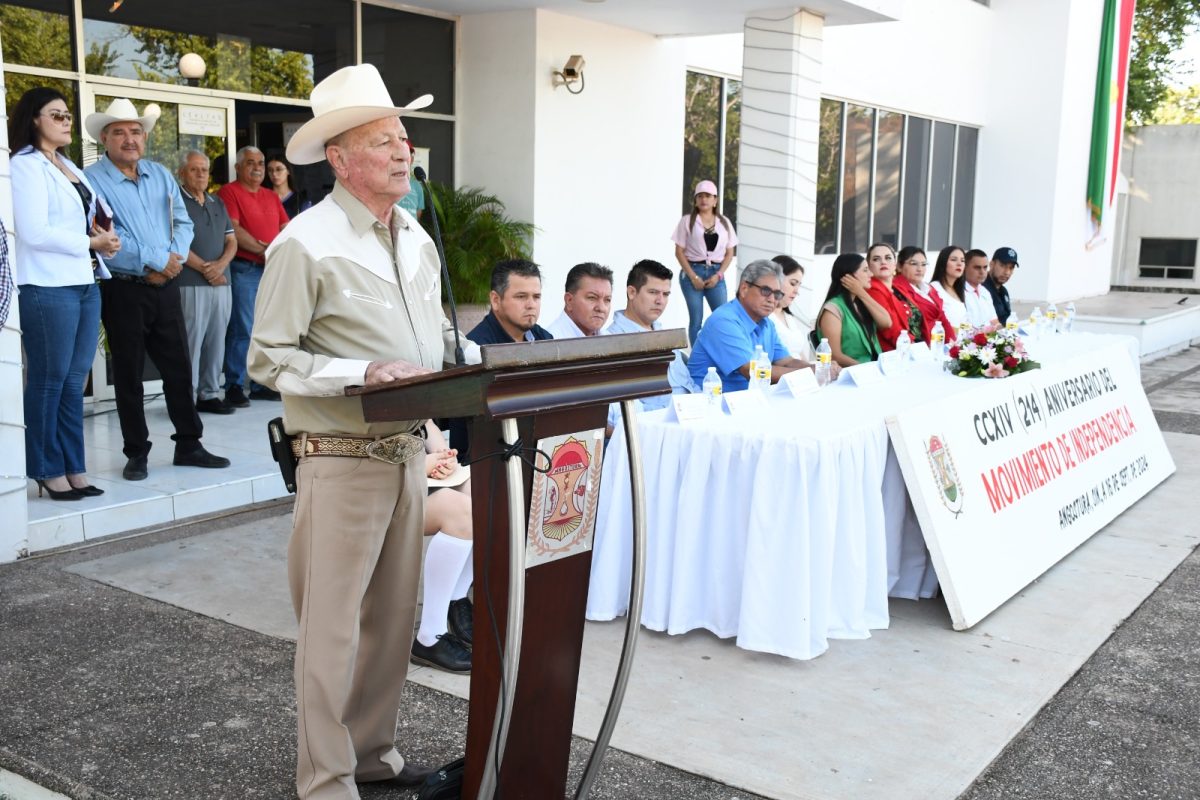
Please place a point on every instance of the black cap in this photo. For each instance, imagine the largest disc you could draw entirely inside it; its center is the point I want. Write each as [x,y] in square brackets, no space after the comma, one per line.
[1006,255]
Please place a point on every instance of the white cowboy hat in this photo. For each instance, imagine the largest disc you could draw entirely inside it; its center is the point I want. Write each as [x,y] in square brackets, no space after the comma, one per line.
[119,110]
[350,97]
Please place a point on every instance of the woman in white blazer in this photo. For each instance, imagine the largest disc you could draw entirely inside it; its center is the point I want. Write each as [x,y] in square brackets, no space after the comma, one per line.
[58,260]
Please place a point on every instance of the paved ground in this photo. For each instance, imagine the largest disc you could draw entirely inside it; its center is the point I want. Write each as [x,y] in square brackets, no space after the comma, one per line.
[108,694]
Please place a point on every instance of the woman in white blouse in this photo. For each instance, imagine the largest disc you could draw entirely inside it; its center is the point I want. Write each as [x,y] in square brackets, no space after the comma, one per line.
[948,282]
[57,266]
[792,324]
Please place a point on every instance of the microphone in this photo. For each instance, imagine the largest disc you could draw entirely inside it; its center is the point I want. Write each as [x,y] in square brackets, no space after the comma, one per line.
[419,174]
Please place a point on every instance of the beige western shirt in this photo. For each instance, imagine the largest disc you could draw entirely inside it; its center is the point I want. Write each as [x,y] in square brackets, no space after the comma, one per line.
[340,290]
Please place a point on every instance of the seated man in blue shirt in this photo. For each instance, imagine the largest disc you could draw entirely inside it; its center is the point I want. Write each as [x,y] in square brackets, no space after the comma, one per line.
[647,290]
[731,333]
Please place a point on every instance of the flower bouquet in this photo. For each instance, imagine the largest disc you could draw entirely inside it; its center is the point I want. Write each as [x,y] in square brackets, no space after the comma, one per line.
[989,352]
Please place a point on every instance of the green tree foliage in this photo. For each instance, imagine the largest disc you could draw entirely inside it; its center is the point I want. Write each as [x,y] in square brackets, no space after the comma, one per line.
[36,38]
[477,233]
[1159,30]
[1179,107]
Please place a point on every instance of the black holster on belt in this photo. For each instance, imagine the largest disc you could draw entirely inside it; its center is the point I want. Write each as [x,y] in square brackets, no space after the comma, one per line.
[281,451]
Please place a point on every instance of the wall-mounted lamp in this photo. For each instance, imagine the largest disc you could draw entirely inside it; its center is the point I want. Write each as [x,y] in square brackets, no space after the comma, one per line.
[192,68]
[570,74]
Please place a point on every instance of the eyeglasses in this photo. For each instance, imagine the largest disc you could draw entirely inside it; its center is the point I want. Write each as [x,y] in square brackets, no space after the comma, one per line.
[767,291]
[58,116]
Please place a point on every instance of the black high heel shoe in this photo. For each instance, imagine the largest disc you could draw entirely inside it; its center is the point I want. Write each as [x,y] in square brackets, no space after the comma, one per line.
[69,494]
[89,490]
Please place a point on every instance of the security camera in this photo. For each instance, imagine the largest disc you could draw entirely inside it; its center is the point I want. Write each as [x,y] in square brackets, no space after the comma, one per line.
[574,68]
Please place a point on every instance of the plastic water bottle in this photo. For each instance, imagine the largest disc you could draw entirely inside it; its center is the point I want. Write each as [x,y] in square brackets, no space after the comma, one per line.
[903,346]
[1010,326]
[760,370]
[1052,318]
[937,340]
[712,387]
[824,362]
[1035,321]
[1069,318]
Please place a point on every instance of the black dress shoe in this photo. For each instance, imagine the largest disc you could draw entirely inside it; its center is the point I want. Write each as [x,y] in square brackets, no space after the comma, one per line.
[412,775]
[89,490]
[214,405]
[59,494]
[449,654]
[461,620]
[263,393]
[199,458]
[236,398]
[135,469]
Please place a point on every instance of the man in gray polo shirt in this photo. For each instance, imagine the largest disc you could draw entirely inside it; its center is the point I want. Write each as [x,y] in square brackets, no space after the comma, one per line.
[203,284]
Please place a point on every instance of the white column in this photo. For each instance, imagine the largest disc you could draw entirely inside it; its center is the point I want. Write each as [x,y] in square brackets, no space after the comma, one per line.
[781,103]
[14,505]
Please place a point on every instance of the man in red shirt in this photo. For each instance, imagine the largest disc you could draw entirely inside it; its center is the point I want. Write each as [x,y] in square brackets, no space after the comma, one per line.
[257,217]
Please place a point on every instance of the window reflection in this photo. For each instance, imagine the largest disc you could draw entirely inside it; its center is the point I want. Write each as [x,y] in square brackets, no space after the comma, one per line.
[829,157]
[856,177]
[964,184]
[701,133]
[916,181]
[889,141]
[940,182]
[37,33]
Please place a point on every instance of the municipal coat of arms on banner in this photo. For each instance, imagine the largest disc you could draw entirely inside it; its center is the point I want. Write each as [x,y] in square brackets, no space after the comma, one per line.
[945,475]
[562,510]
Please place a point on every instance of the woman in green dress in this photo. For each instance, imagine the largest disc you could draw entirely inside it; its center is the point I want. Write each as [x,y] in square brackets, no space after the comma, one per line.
[850,317]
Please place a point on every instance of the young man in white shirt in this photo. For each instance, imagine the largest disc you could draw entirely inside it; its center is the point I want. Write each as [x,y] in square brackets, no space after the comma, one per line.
[980,309]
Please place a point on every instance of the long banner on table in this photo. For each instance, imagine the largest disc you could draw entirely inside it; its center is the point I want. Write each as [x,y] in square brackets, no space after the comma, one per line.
[1008,479]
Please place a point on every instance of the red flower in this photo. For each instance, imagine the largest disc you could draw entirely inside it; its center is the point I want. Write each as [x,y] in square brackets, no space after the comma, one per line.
[981,339]
[1011,362]
[954,351]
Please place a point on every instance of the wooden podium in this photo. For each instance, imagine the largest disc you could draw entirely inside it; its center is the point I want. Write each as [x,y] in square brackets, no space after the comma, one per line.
[523,698]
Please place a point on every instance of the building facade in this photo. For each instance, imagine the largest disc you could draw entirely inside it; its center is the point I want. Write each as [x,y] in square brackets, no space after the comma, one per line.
[827,127]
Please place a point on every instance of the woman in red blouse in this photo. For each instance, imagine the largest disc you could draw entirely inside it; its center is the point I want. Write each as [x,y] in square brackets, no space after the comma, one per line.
[904,315]
[910,281]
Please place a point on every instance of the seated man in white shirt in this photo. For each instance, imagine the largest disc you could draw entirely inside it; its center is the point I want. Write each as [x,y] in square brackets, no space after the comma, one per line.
[647,290]
[980,309]
[586,303]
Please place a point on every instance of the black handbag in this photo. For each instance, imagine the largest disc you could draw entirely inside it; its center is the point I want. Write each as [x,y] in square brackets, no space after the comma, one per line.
[446,783]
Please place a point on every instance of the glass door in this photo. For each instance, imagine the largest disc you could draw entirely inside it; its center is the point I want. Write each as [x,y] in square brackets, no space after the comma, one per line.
[186,121]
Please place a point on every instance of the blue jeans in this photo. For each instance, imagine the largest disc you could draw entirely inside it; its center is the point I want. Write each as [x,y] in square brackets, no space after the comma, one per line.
[244,277]
[694,298]
[61,327]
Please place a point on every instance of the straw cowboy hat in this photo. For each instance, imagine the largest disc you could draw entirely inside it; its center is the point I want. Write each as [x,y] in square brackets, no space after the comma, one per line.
[119,110]
[350,97]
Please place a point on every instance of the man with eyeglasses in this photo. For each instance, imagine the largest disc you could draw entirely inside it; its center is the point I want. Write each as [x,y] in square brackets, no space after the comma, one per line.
[732,332]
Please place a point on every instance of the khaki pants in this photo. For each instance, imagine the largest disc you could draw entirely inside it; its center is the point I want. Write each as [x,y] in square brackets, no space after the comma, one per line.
[353,565]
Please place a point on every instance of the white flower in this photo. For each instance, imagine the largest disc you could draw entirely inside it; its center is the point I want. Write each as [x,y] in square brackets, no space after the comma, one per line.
[987,354]
[970,348]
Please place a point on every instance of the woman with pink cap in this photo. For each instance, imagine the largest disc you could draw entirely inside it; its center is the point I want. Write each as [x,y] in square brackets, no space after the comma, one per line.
[705,243]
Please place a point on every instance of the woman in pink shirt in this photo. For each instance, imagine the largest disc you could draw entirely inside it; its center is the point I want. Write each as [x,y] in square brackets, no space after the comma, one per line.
[705,243]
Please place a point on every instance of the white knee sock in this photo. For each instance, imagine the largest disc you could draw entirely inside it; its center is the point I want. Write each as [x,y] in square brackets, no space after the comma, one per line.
[443,564]
[465,579]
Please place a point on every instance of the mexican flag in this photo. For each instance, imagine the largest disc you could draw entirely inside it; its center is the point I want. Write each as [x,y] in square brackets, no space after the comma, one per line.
[1108,115]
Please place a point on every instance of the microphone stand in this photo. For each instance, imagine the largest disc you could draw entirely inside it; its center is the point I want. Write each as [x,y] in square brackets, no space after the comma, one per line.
[419,174]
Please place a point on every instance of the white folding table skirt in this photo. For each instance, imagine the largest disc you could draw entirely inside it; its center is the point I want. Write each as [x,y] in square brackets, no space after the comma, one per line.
[785,529]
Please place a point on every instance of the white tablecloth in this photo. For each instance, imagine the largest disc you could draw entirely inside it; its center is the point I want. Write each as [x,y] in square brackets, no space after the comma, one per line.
[784,530]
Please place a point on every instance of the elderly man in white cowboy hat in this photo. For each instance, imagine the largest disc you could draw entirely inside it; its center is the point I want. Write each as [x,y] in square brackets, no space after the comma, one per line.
[140,306]
[351,295]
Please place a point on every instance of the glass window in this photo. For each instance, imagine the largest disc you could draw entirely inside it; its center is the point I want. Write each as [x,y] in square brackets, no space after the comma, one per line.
[733,148]
[888,144]
[940,182]
[701,133]
[438,136]
[414,53]
[829,159]
[856,178]
[964,185]
[1167,258]
[37,33]
[916,181]
[246,47]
